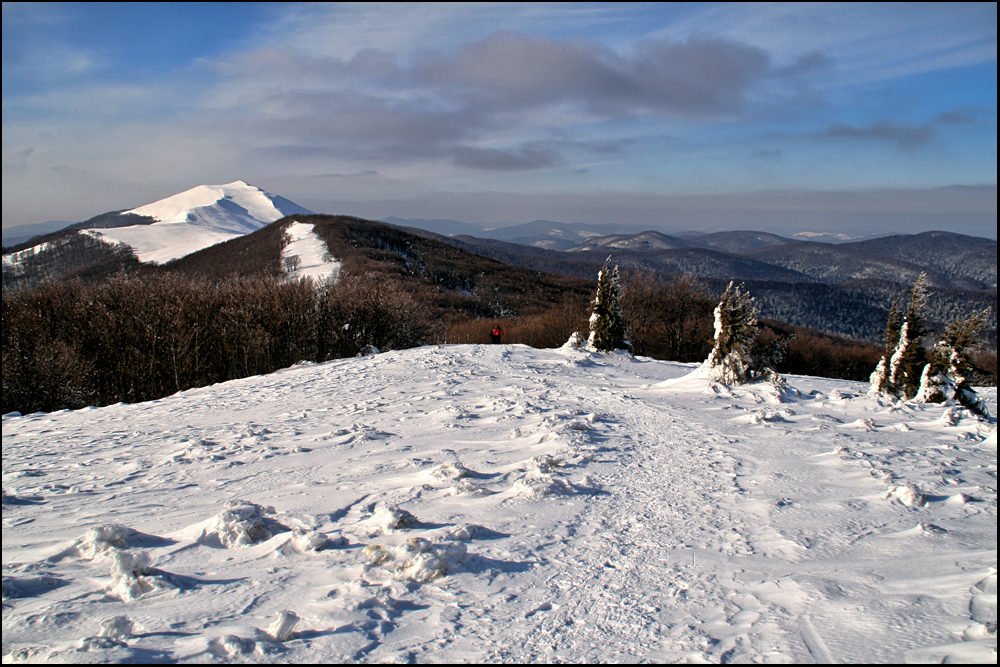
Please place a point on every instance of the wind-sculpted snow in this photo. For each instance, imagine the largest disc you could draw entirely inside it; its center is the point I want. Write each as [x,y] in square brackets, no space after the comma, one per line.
[501,504]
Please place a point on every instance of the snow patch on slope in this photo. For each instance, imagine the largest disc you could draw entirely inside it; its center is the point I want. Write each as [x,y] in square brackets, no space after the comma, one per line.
[306,255]
[13,259]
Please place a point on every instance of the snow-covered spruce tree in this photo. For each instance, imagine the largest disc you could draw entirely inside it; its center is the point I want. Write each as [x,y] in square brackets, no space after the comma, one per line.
[608,329]
[735,331]
[893,326]
[904,373]
[947,377]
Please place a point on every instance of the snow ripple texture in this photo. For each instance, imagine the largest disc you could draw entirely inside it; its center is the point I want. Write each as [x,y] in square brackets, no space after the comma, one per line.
[501,504]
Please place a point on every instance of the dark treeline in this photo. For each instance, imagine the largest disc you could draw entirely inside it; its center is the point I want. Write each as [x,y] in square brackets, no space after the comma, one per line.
[142,336]
[133,338]
[668,318]
[672,318]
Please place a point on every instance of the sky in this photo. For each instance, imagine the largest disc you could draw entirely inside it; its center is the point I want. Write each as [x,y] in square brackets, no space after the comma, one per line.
[844,117]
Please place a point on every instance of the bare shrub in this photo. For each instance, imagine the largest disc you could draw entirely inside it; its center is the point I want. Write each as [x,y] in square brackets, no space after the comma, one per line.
[369,310]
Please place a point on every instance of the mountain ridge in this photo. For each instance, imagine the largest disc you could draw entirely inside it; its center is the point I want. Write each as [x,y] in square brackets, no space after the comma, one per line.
[842,288]
[158,232]
[199,217]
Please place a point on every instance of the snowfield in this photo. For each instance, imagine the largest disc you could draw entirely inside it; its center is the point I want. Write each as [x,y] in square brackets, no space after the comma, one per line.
[501,504]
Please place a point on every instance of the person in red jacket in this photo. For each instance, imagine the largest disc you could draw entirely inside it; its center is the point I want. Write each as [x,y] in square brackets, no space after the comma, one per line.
[495,335]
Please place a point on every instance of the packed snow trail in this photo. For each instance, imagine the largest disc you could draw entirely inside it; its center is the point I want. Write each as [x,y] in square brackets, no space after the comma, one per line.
[499,503]
[633,575]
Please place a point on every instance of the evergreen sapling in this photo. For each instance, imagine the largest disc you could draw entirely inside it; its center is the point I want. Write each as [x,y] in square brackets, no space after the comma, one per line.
[730,361]
[608,329]
[947,378]
[893,326]
[899,374]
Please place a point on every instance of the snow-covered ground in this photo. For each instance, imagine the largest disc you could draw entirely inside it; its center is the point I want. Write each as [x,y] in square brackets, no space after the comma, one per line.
[500,503]
[314,260]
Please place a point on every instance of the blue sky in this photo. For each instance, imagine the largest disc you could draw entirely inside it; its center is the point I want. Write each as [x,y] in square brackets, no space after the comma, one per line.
[789,117]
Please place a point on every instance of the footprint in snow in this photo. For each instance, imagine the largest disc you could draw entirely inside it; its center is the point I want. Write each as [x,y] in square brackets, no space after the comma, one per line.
[545,606]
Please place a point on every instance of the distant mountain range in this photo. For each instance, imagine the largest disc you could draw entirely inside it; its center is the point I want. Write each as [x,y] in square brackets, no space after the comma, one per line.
[841,288]
[546,234]
[219,230]
[19,234]
[568,235]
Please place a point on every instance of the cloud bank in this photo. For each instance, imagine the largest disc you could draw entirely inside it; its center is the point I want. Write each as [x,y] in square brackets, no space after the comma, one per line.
[388,103]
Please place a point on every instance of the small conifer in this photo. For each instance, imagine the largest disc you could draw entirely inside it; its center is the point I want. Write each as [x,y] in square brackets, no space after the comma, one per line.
[608,329]
[893,327]
[898,374]
[730,361]
[948,375]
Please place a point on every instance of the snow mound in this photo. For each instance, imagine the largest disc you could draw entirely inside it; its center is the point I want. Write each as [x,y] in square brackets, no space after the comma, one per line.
[576,341]
[867,425]
[431,561]
[451,471]
[951,416]
[987,586]
[281,629]
[908,494]
[103,541]
[542,478]
[543,464]
[958,499]
[100,644]
[767,415]
[376,554]
[840,395]
[242,524]
[117,627]
[580,424]
[132,576]
[419,560]
[537,487]
[388,518]
[983,610]
[463,532]
[229,646]
[306,541]
[467,487]
[991,440]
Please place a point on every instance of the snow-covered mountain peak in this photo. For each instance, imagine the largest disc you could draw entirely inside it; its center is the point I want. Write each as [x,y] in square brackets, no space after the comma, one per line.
[181,207]
[200,217]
